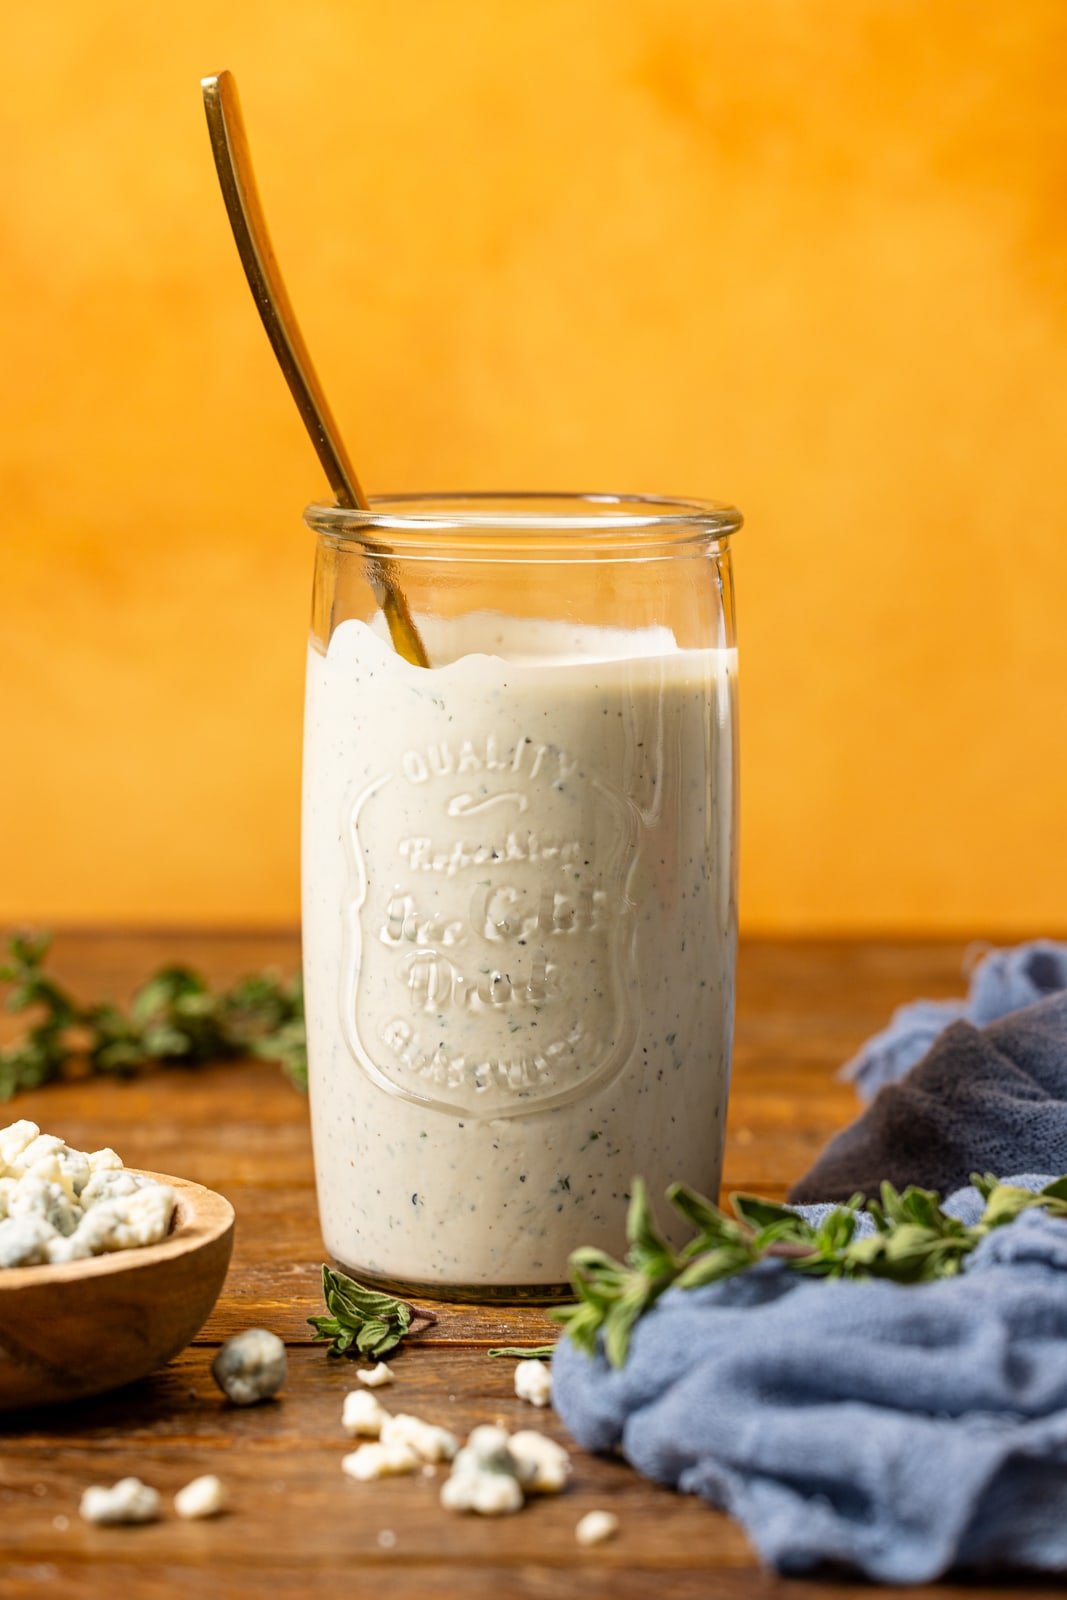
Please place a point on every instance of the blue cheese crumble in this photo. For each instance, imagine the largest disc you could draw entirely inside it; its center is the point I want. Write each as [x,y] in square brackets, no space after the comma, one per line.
[60,1204]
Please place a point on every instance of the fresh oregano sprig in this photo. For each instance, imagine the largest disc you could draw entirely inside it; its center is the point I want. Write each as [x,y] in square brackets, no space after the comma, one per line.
[174,1019]
[914,1241]
[362,1321]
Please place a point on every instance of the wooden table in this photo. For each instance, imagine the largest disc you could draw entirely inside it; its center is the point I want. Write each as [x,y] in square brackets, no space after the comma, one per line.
[298,1527]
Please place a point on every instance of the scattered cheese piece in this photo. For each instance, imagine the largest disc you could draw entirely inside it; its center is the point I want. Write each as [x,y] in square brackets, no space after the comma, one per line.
[129,1500]
[485,1476]
[203,1497]
[362,1415]
[544,1465]
[490,1494]
[488,1445]
[250,1367]
[380,1461]
[596,1526]
[377,1377]
[429,1442]
[533,1382]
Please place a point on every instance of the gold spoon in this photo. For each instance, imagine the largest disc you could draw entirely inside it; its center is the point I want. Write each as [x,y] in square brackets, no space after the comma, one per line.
[229,146]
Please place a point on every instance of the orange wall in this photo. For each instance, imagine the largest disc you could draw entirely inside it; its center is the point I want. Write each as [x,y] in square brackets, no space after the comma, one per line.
[810,255]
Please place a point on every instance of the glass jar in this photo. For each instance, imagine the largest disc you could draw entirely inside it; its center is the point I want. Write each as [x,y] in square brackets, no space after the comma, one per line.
[519,879]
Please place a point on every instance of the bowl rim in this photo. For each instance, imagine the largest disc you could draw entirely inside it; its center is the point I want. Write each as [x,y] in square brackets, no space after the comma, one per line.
[201,1216]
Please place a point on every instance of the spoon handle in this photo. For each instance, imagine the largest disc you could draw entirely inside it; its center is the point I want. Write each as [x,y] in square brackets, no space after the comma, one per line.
[229,146]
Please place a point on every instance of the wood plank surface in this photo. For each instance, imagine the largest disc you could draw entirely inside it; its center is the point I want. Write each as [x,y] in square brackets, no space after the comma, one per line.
[297,1525]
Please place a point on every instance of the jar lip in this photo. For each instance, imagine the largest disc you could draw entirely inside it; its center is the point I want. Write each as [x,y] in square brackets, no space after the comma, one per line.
[487,512]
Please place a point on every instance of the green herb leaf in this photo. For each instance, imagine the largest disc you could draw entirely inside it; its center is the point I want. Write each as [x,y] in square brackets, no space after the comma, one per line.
[649,1251]
[984,1182]
[528,1352]
[835,1230]
[715,1265]
[1004,1203]
[581,1323]
[761,1213]
[621,1316]
[368,1319]
[704,1216]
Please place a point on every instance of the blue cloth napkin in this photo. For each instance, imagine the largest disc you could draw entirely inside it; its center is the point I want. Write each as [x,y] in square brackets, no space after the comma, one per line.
[1002,981]
[990,1099]
[896,1430]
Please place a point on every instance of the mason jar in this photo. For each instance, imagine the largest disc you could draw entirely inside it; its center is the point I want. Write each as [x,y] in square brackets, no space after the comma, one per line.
[519,877]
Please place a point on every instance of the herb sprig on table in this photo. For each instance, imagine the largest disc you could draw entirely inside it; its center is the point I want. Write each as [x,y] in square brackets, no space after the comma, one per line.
[367,1322]
[914,1241]
[362,1321]
[174,1019]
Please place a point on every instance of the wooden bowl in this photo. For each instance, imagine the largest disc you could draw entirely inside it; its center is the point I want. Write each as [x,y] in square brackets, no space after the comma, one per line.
[80,1327]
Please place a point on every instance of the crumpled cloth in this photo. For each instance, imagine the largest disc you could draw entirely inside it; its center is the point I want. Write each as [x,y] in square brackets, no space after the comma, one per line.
[1002,981]
[896,1430]
[992,1099]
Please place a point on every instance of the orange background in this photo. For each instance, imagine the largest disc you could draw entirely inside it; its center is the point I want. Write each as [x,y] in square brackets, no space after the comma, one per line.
[808,255]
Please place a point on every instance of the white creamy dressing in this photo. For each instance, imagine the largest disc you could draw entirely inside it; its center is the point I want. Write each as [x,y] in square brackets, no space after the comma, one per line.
[519,935]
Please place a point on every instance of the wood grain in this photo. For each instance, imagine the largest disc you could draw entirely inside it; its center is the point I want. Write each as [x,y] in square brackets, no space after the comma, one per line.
[297,1525]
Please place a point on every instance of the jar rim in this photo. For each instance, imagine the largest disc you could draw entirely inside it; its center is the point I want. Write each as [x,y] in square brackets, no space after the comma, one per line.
[487,514]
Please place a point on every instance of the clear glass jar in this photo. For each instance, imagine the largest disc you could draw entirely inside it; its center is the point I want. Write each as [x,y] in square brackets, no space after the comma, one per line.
[519,878]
